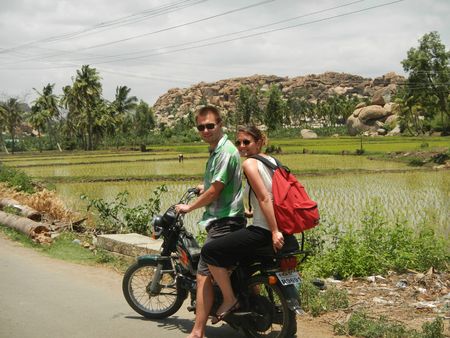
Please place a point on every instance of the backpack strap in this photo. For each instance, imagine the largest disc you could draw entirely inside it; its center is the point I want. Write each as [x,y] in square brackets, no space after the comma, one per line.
[268,164]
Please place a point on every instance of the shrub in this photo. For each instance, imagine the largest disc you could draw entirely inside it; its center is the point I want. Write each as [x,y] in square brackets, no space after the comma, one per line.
[117,217]
[375,247]
[16,179]
[416,162]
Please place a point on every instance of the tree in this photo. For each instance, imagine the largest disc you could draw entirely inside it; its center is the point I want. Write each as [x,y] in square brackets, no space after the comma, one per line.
[247,108]
[43,110]
[275,112]
[429,76]
[144,119]
[301,109]
[84,101]
[12,112]
[122,105]
[88,89]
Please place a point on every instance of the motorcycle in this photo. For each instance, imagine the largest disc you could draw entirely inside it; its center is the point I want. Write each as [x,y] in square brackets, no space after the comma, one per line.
[266,285]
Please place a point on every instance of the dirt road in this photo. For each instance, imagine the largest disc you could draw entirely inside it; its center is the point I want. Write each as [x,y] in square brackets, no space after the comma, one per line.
[44,297]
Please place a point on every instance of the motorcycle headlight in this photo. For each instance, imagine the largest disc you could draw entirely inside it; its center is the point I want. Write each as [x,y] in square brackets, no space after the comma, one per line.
[169,218]
[157,228]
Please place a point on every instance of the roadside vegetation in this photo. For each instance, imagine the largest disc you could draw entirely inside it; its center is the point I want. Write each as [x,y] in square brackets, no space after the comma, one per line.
[362,325]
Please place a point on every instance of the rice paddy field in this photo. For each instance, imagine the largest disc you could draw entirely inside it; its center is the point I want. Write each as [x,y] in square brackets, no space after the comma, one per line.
[343,185]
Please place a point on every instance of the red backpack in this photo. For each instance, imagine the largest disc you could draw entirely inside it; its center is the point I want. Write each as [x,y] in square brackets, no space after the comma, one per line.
[294,210]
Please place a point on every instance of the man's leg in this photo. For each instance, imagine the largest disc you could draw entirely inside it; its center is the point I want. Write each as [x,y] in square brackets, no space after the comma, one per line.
[222,278]
[204,302]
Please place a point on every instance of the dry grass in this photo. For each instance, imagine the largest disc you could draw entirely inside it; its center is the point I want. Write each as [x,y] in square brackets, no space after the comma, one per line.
[44,201]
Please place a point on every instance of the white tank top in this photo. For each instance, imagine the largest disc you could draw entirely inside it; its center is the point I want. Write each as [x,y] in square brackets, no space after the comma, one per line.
[266,174]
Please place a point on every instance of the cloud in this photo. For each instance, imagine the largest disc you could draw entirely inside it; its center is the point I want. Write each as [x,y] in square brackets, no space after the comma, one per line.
[161,50]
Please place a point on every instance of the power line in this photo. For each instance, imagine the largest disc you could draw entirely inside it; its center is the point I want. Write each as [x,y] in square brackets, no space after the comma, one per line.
[242,31]
[247,36]
[202,40]
[150,33]
[116,22]
[254,34]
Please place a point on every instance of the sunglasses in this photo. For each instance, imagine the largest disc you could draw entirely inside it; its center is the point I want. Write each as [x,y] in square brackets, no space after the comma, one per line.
[243,142]
[208,126]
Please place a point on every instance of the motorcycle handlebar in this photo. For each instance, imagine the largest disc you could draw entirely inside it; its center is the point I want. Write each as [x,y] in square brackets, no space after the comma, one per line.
[195,191]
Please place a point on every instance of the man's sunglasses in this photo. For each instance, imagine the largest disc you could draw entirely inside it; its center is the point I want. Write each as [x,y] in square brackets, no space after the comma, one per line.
[208,126]
[244,142]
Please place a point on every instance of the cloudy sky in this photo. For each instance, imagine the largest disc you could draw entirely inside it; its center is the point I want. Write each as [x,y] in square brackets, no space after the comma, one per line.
[154,45]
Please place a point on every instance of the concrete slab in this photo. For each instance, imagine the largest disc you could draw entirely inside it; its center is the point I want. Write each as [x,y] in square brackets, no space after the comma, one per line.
[129,244]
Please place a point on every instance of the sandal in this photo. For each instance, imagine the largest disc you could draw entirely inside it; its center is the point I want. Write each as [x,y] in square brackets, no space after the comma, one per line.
[219,317]
[232,309]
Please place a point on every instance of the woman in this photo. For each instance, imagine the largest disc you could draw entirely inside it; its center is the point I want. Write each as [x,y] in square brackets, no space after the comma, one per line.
[227,250]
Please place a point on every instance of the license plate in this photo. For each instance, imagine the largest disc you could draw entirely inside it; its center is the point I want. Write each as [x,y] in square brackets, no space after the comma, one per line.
[288,278]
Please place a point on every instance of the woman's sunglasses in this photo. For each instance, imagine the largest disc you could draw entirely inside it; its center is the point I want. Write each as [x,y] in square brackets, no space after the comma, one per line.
[244,142]
[208,126]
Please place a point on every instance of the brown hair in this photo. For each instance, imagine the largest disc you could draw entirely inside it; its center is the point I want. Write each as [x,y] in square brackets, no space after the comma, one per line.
[253,131]
[209,109]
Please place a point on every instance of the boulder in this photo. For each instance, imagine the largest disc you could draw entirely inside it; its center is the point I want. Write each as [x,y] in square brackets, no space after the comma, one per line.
[394,132]
[371,113]
[317,87]
[391,120]
[307,133]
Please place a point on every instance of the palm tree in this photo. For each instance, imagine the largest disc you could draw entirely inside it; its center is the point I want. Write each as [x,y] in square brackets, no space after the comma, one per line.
[44,109]
[73,125]
[12,112]
[122,105]
[86,92]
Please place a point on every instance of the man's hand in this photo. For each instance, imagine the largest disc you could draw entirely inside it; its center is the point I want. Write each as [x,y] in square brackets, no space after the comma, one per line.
[182,208]
[201,189]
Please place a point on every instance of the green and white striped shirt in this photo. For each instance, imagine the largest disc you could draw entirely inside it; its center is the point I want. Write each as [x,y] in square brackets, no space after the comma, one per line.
[224,166]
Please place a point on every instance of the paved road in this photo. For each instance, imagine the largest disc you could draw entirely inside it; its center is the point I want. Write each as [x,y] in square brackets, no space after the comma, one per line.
[43,297]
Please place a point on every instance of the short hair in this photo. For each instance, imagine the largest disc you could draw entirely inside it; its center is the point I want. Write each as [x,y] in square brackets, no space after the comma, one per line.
[254,131]
[209,109]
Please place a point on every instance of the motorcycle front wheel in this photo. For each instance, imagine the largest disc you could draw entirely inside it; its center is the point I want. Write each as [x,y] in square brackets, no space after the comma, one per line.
[160,303]
[272,316]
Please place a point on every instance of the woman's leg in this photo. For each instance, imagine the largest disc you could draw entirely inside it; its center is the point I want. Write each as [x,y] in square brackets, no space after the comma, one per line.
[226,251]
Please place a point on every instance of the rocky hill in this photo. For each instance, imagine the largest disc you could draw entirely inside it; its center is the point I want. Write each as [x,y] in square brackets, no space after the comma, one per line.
[177,102]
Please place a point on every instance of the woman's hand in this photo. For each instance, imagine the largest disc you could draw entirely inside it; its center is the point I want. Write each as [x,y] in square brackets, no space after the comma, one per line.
[277,240]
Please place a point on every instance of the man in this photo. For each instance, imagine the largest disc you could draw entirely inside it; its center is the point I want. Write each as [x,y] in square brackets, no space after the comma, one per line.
[221,195]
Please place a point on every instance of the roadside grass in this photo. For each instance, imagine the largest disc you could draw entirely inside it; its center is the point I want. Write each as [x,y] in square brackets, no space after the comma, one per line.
[361,325]
[69,247]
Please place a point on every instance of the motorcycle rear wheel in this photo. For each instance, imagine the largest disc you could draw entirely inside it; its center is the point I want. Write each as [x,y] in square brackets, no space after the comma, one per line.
[157,305]
[275,319]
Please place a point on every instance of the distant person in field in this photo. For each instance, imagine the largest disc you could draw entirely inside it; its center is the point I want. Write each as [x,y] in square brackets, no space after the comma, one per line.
[222,196]
[180,158]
